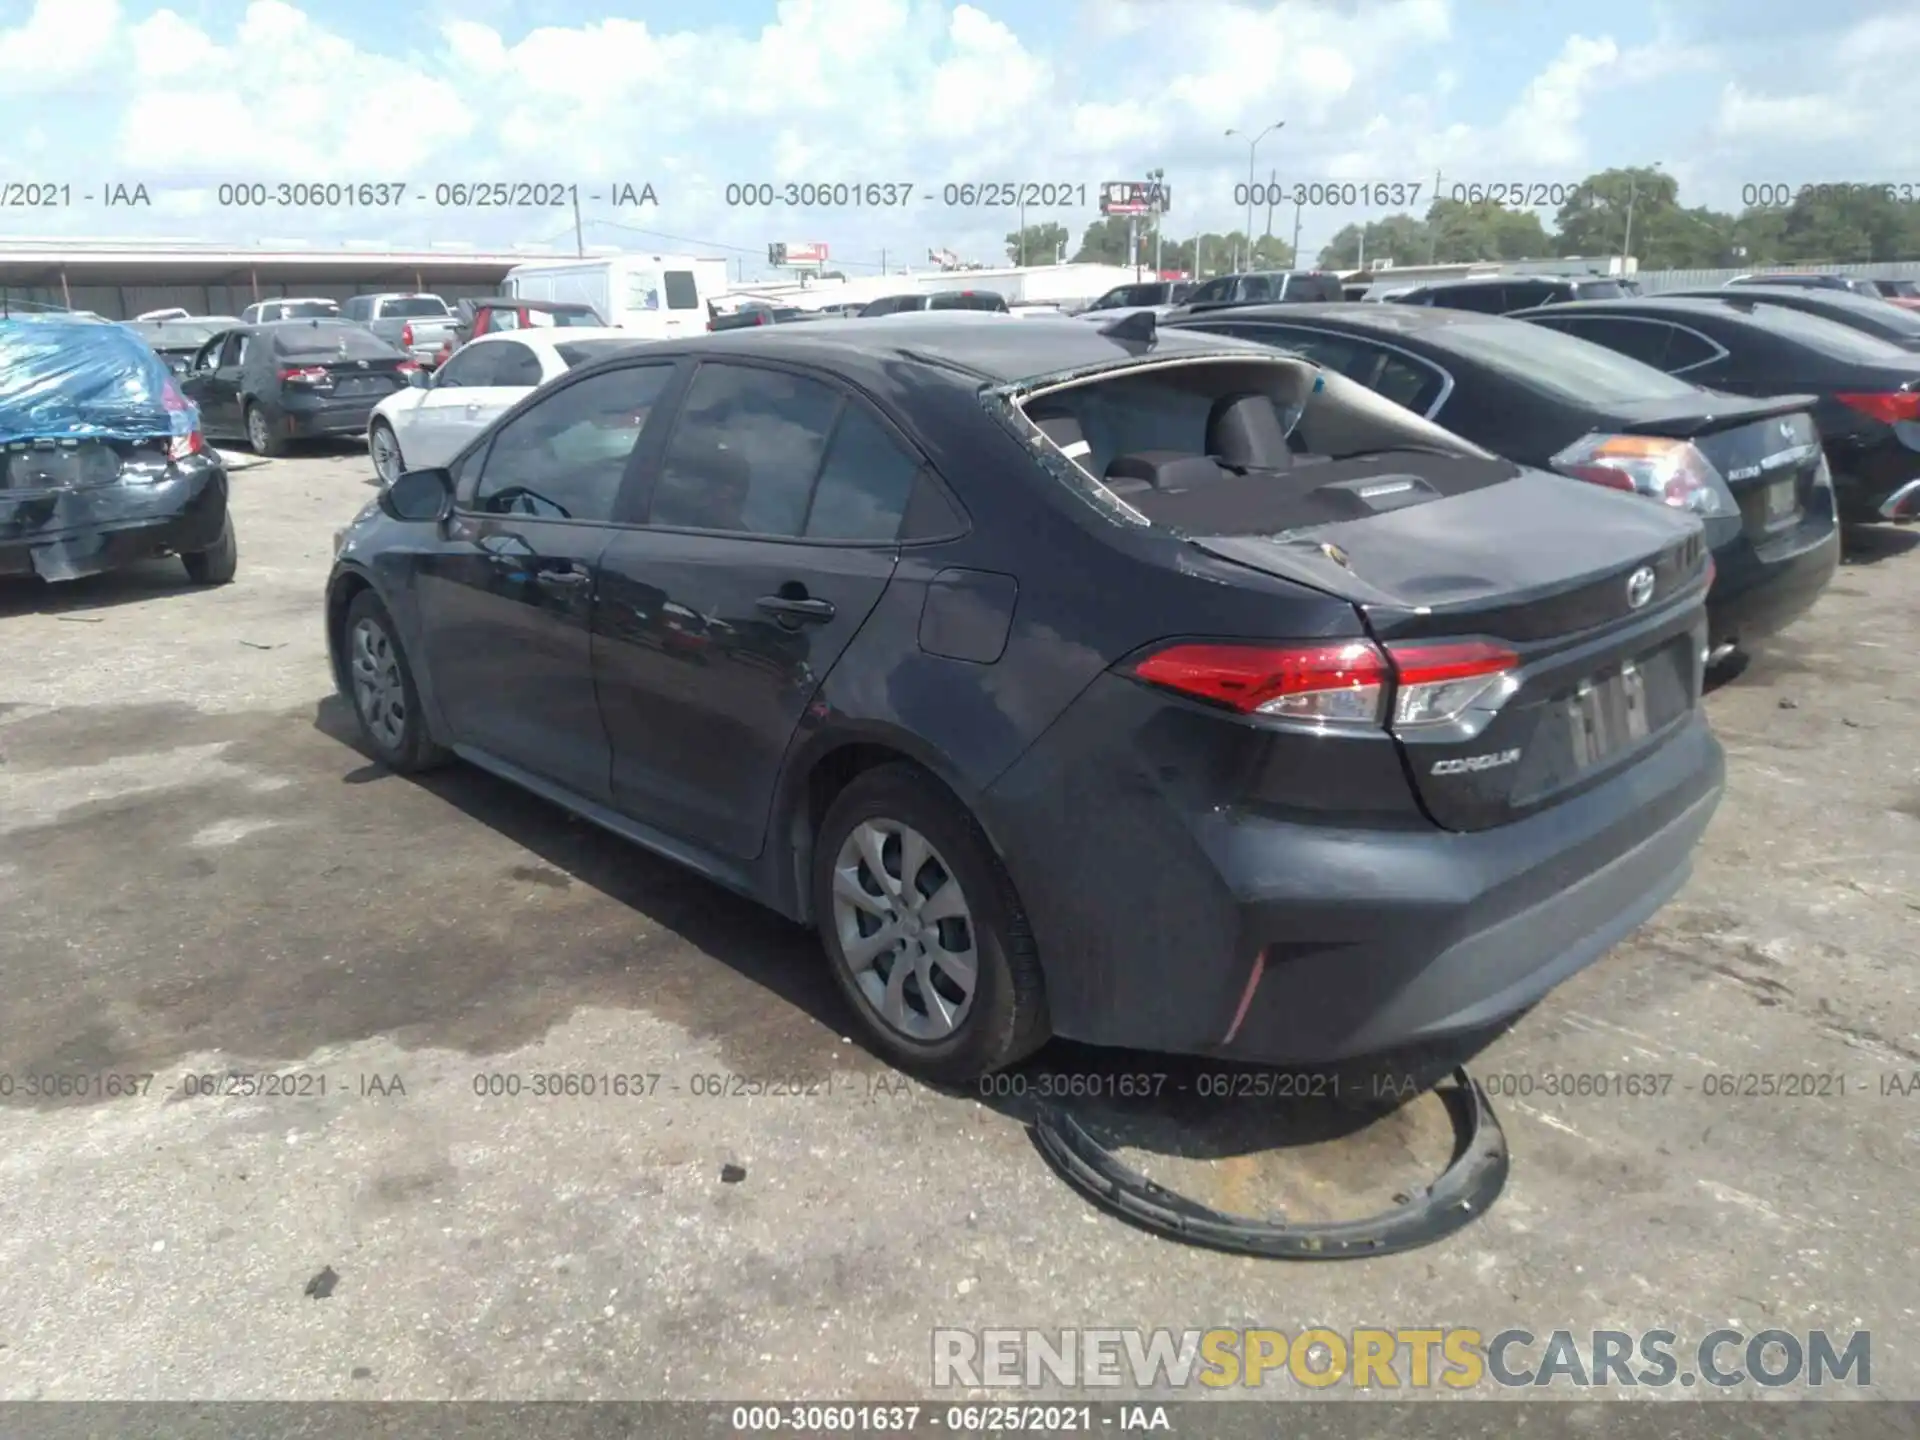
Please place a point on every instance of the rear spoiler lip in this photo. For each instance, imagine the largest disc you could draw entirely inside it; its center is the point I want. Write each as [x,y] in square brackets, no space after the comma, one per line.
[1721,413]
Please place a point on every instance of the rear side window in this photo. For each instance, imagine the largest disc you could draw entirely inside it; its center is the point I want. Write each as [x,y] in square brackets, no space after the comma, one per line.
[1686,349]
[1600,290]
[744,452]
[1828,337]
[1538,355]
[1642,340]
[1220,289]
[864,484]
[1406,382]
[514,364]
[682,291]
[977,300]
[1256,287]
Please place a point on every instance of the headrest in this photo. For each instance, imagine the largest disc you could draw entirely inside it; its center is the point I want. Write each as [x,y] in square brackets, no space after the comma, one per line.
[1161,470]
[1244,431]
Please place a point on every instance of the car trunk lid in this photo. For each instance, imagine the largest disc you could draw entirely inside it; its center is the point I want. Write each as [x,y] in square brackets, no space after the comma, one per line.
[1596,595]
[330,374]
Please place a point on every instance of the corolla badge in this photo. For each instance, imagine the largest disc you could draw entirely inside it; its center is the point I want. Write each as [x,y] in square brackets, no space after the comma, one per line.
[1640,588]
[1472,764]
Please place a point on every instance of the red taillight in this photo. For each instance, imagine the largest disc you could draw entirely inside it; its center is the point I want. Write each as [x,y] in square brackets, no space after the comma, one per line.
[1309,682]
[1347,684]
[181,446]
[1602,475]
[307,375]
[406,367]
[406,333]
[1889,409]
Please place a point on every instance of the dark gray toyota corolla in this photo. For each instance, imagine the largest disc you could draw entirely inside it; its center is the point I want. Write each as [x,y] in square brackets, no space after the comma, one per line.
[1154,690]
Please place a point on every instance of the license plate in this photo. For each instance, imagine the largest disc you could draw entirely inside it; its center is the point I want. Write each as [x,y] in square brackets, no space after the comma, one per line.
[1783,499]
[1607,715]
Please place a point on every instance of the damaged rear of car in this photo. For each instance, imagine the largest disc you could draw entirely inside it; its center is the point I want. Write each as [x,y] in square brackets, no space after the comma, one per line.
[1419,736]
[102,461]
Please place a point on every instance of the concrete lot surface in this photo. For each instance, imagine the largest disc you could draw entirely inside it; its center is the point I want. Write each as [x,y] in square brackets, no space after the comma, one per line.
[200,875]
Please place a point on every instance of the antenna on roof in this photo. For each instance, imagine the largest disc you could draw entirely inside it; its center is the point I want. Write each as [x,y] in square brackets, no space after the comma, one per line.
[1137,328]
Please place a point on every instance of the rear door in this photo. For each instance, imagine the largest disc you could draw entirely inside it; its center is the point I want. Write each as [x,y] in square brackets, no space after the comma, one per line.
[772,515]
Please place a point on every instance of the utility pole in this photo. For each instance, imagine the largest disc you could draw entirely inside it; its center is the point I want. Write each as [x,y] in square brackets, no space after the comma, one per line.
[1133,244]
[1273,184]
[883,262]
[1296,235]
[1433,231]
[1253,149]
[1021,240]
[579,240]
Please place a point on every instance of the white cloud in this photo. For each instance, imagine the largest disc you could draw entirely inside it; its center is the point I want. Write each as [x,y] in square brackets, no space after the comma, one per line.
[62,41]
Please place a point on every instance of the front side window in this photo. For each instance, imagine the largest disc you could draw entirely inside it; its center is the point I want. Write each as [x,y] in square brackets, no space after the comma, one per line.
[565,457]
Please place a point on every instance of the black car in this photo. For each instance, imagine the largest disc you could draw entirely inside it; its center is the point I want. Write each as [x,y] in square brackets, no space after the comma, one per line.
[1901,292]
[1265,287]
[293,380]
[1868,390]
[939,300]
[178,341]
[1033,666]
[1144,295]
[754,314]
[1857,312]
[1854,284]
[1503,294]
[102,459]
[1750,469]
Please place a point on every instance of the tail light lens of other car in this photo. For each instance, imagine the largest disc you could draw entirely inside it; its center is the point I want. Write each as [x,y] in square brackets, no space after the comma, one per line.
[184,416]
[307,375]
[1901,406]
[406,333]
[1674,472]
[1354,683]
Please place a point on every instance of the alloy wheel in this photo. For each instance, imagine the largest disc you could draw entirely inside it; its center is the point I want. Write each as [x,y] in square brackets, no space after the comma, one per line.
[379,693]
[386,454]
[905,929]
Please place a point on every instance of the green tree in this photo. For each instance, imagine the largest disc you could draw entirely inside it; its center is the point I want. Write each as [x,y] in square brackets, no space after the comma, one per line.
[1403,239]
[1460,230]
[1104,243]
[1593,222]
[1038,244]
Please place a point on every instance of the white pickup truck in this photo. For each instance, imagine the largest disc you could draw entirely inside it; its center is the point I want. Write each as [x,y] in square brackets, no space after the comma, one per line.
[421,325]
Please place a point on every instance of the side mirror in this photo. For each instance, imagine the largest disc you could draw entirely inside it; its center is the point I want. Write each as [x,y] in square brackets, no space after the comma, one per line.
[419,495]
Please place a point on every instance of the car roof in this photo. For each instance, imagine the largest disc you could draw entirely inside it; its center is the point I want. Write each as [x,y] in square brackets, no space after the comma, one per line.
[1674,305]
[985,347]
[512,302]
[1385,319]
[1798,295]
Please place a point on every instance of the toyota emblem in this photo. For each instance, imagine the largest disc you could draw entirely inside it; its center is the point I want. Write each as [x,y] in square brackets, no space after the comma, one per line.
[1640,588]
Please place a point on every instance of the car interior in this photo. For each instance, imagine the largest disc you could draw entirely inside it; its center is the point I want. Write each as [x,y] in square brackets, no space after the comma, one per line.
[1237,448]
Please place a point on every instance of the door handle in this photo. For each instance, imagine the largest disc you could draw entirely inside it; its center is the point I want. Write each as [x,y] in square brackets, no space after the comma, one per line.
[569,577]
[789,607]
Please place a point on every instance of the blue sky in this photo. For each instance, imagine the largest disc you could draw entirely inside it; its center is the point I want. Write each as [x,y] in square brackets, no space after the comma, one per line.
[689,97]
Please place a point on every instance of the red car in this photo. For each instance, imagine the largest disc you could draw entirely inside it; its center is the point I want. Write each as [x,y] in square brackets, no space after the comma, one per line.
[508,312]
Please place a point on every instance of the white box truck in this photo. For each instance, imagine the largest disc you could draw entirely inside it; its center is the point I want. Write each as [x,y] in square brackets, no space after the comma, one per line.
[658,296]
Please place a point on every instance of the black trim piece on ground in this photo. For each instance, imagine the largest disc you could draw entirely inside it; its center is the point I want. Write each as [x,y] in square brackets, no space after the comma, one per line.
[1472,1181]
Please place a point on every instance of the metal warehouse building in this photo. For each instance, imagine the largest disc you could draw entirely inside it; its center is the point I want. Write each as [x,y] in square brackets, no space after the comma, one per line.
[121,279]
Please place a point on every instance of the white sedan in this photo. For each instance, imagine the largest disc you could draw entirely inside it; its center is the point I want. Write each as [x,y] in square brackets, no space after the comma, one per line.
[426,424]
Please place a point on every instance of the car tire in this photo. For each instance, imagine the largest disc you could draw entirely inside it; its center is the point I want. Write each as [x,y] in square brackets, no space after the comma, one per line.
[262,436]
[966,906]
[216,564]
[380,434]
[381,689]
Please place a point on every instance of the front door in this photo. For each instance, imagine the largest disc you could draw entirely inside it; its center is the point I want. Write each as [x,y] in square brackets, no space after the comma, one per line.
[771,531]
[507,602]
[213,383]
[472,390]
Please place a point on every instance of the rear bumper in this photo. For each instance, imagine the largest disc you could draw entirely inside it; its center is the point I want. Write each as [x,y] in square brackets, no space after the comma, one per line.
[310,421]
[1760,590]
[1254,938]
[85,532]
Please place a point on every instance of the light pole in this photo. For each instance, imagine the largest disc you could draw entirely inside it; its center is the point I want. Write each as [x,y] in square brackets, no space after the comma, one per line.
[1253,149]
[1633,185]
[1156,179]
